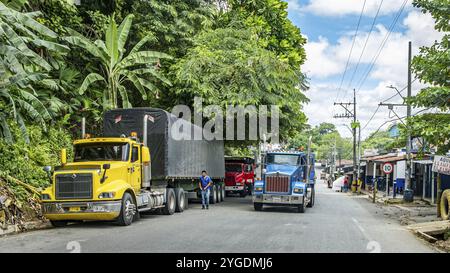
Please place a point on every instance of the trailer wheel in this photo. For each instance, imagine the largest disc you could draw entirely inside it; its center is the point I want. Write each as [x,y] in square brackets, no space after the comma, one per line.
[59,223]
[181,199]
[301,208]
[223,194]
[258,206]
[313,198]
[445,201]
[169,207]
[213,196]
[127,210]
[219,193]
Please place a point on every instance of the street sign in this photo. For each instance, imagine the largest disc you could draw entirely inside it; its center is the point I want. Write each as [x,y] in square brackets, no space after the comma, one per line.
[387,168]
[441,164]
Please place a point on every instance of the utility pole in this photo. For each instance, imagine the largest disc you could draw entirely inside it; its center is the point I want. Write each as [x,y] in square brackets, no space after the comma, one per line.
[408,186]
[408,127]
[351,114]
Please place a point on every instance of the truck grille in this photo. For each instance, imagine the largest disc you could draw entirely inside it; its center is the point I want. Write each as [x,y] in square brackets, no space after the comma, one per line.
[74,186]
[278,183]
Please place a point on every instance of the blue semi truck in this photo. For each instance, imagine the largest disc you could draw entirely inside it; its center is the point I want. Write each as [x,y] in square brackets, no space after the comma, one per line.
[285,181]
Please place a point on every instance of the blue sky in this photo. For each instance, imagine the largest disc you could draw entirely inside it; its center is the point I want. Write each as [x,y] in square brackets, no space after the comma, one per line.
[330,27]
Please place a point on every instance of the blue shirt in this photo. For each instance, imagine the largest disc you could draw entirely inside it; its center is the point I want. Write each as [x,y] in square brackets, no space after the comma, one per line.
[205,181]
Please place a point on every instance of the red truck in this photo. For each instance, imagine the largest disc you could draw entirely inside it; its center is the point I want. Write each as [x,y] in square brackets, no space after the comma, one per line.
[239,175]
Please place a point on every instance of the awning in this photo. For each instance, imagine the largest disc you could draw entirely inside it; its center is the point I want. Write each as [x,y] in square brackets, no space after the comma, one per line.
[425,162]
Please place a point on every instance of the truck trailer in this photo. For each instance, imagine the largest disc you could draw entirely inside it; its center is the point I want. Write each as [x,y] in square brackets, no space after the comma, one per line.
[139,164]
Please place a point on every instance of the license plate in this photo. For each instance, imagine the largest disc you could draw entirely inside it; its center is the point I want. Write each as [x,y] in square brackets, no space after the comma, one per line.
[74,209]
[276,199]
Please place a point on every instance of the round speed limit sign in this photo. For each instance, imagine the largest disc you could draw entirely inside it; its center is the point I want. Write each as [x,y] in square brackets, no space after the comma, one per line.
[387,168]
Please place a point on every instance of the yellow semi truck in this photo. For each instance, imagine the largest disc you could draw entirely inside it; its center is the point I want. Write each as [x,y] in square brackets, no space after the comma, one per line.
[139,164]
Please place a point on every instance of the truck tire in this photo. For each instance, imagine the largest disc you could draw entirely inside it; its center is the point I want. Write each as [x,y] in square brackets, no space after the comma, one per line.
[223,194]
[445,201]
[170,205]
[301,208]
[59,223]
[258,206]
[126,215]
[181,199]
[219,193]
[313,198]
[213,195]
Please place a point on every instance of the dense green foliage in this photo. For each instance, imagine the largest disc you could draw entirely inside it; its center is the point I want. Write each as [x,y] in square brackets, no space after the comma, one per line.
[432,66]
[25,161]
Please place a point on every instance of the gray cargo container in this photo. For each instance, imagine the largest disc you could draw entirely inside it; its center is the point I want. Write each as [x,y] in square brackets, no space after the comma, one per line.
[172,159]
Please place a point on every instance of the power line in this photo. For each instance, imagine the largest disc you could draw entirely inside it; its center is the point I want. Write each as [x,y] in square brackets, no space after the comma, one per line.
[351,49]
[365,44]
[380,49]
[376,110]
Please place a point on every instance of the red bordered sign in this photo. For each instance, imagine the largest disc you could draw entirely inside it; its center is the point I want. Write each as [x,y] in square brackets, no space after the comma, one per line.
[387,168]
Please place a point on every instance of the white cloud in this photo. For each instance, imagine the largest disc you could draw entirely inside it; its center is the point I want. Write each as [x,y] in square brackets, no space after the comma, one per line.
[326,60]
[293,6]
[350,7]
[320,60]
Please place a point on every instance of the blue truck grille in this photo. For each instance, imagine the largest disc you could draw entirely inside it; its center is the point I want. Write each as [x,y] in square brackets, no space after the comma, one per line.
[277,183]
[73,186]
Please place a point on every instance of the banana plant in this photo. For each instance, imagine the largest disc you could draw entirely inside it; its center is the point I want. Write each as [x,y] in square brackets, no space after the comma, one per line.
[22,68]
[118,66]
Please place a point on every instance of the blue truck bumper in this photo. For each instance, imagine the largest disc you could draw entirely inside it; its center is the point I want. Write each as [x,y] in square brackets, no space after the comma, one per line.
[274,199]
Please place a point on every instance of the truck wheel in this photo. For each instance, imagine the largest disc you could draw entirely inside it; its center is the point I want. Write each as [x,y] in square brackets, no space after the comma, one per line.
[313,198]
[222,193]
[169,207]
[219,193]
[180,197]
[59,223]
[127,210]
[445,201]
[213,196]
[301,208]
[258,206]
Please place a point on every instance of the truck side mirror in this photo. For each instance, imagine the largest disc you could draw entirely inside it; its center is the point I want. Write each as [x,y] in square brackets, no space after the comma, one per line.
[106,166]
[145,155]
[63,157]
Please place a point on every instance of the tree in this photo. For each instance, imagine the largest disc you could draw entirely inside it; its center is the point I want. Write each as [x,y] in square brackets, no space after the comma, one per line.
[432,66]
[228,67]
[117,67]
[22,69]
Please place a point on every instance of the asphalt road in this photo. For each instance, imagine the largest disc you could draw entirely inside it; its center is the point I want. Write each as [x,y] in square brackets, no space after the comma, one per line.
[338,223]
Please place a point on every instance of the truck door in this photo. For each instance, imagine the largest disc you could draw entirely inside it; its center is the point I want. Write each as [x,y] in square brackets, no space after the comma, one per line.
[134,171]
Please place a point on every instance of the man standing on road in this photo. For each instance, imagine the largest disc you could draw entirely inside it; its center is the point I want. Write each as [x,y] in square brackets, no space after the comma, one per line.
[205,184]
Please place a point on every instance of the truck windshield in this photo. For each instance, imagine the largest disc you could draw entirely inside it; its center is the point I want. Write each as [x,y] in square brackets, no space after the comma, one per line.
[235,168]
[101,152]
[283,159]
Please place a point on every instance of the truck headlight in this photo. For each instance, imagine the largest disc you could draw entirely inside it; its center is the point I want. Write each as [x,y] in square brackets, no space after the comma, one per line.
[106,195]
[298,190]
[45,196]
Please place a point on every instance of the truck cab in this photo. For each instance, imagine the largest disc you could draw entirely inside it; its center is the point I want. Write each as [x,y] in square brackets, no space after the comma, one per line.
[104,182]
[239,175]
[288,180]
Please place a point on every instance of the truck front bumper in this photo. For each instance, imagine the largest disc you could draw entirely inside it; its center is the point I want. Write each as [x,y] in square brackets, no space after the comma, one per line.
[90,210]
[273,199]
[234,188]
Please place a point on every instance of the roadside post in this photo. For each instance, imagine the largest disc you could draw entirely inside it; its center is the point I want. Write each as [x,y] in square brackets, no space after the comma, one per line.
[374,181]
[387,169]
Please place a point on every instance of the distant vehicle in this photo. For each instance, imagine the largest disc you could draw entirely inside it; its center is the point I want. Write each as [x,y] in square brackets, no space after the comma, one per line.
[239,175]
[285,181]
[323,163]
[338,184]
[323,175]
